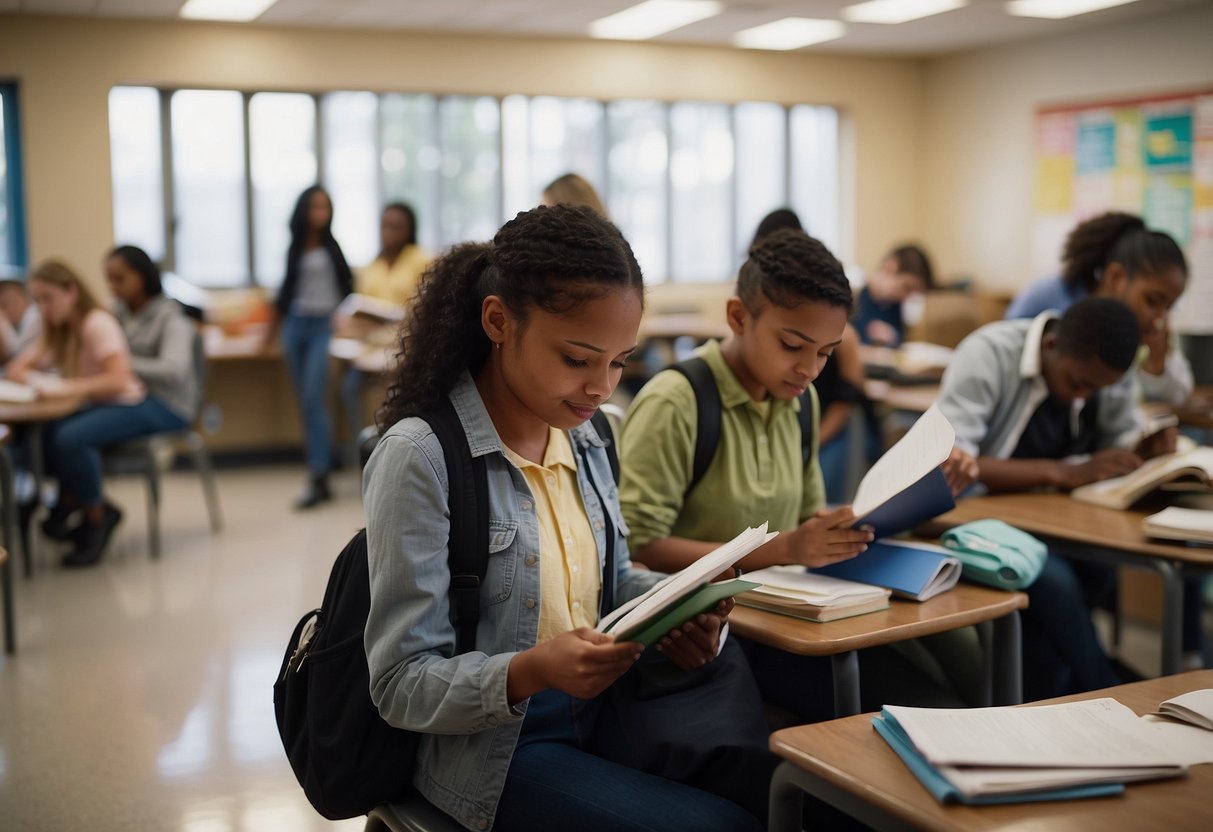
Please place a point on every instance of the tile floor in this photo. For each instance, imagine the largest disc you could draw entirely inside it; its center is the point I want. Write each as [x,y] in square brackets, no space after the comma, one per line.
[140,696]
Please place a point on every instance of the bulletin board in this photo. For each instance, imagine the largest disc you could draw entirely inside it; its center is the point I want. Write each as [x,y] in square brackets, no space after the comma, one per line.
[1152,157]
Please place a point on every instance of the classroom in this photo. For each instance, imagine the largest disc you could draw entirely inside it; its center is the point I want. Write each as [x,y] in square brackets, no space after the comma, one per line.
[962,247]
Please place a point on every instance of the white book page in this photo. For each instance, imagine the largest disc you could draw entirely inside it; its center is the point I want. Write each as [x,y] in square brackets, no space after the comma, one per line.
[924,448]
[1192,744]
[681,583]
[1156,468]
[1195,707]
[979,781]
[796,584]
[1187,519]
[1095,733]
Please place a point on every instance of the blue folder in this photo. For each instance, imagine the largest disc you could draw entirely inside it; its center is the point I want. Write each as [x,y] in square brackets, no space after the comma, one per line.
[942,790]
[906,570]
[925,499]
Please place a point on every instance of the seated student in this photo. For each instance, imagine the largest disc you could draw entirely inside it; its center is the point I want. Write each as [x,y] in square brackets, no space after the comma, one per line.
[20,323]
[392,276]
[906,270]
[571,189]
[1043,403]
[1114,255]
[85,345]
[787,319]
[527,336]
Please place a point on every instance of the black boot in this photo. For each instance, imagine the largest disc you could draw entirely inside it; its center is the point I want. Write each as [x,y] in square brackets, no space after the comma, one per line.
[91,540]
[62,523]
[317,492]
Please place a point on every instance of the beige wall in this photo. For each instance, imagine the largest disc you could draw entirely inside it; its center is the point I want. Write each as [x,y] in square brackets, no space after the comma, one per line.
[978,166]
[66,66]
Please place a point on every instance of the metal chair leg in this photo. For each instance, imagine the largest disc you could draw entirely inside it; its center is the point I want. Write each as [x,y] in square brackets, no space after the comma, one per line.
[206,472]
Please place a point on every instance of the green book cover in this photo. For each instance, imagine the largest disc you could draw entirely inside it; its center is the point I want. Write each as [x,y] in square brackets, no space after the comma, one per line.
[678,612]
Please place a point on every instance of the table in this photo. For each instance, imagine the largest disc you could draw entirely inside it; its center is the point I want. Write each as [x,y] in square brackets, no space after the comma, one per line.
[35,414]
[846,763]
[916,398]
[1105,535]
[671,326]
[995,612]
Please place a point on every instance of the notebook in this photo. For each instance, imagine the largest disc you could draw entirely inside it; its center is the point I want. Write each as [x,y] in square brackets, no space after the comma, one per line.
[917,571]
[1188,524]
[14,393]
[1194,708]
[791,590]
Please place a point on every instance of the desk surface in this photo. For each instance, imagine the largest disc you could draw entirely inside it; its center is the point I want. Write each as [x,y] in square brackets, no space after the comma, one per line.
[916,398]
[677,325]
[848,753]
[42,410]
[1057,515]
[964,605]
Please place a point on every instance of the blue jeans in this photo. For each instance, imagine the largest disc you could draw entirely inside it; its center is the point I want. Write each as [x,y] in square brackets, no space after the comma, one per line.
[556,782]
[305,345]
[833,457]
[73,444]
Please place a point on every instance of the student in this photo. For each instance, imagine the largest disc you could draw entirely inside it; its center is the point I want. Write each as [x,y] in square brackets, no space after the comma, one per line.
[906,270]
[393,276]
[20,323]
[1114,255]
[527,336]
[787,320]
[571,189]
[85,345]
[317,280]
[1042,404]
[839,389]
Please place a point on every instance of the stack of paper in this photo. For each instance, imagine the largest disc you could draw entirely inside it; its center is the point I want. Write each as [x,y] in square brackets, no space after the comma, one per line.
[791,590]
[685,594]
[1188,524]
[1047,752]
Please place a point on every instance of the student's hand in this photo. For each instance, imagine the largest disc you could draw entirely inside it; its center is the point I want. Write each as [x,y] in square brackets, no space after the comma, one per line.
[1163,442]
[584,662]
[1159,341]
[882,333]
[17,374]
[1105,464]
[696,642]
[960,470]
[827,537]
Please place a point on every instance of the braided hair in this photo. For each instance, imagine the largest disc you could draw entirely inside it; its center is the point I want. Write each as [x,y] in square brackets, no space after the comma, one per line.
[1116,238]
[787,268]
[553,259]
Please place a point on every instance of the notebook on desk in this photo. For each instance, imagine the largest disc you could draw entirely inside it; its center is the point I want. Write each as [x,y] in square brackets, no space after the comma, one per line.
[916,571]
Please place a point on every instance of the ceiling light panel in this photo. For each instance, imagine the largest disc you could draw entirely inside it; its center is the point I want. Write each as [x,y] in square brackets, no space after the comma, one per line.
[790,33]
[1057,9]
[899,11]
[240,11]
[653,18]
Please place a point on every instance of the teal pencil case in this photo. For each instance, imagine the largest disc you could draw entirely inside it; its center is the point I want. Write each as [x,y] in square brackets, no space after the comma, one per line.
[996,554]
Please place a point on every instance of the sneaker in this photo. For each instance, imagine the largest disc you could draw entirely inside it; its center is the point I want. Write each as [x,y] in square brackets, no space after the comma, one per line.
[91,540]
[62,523]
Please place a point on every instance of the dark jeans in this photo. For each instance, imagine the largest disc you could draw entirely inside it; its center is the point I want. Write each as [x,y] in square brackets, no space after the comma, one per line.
[559,780]
[73,444]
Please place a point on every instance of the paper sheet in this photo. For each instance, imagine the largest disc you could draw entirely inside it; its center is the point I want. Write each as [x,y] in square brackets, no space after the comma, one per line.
[924,447]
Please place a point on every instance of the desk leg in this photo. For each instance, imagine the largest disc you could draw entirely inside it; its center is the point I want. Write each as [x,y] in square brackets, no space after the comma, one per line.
[845,668]
[786,805]
[985,637]
[12,539]
[1008,668]
[10,618]
[1172,616]
[38,470]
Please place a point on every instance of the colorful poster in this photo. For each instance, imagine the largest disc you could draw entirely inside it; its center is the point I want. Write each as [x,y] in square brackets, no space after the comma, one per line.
[1096,142]
[1055,184]
[1168,206]
[1128,138]
[1168,139]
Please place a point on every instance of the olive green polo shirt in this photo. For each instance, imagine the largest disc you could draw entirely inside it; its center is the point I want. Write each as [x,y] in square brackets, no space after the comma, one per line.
[755,476]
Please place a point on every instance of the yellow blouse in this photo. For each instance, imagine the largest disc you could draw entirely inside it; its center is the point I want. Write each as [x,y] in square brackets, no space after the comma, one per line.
[396,283]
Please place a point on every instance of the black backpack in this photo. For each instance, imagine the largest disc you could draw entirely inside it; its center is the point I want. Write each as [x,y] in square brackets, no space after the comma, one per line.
[346,757]
[707,415]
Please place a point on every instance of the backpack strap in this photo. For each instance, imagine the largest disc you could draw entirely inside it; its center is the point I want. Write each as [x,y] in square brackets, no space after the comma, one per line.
[468,501]
[806,426]
[707,415]
[603,425]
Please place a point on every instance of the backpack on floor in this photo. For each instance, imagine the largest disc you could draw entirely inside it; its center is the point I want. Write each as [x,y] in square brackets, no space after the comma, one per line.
[346,757]
[707,415]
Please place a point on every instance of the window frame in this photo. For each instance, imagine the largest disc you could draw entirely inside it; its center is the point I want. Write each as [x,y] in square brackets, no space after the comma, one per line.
[17,255]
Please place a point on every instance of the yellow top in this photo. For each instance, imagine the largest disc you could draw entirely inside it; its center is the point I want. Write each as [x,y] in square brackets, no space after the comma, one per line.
[396,283]
[569,580]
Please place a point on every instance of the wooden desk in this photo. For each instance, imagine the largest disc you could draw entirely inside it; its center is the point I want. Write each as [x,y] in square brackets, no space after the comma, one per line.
[673,326]
[846,763]
[1197,411]
[962,606]
[1104,535]
[916,398]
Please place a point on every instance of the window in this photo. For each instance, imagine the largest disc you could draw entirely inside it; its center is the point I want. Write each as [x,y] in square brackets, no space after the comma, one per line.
[686,182]
[137,169]
[282,156]
[209,196]
[701,181]
[12,213]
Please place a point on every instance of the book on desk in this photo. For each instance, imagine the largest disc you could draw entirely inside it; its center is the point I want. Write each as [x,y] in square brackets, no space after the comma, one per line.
[794,591]
[916,571]
[1188,469]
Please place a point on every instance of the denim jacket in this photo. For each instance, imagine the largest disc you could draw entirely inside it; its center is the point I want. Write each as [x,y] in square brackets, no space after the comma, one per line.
[459,703]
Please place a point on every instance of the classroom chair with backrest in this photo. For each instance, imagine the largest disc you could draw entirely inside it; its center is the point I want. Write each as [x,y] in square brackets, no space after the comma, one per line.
[149,453]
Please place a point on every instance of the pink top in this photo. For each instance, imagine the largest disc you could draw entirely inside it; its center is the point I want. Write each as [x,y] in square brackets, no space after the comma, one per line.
[101,336]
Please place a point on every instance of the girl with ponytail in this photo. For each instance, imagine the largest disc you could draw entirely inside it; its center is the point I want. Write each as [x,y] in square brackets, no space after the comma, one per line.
[526,336]
[1115,255]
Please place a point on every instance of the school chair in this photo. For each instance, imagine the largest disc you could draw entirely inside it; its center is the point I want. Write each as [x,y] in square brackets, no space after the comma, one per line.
[11,539]
[415,814]
[151,455]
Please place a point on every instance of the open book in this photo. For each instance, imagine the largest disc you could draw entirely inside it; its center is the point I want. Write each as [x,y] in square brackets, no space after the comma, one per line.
[1012,754]
[1194,467]
[917,571]
[790,590]
[1194,708]
[12,392]
[1193,525]
[906,486]
[371,307]
[684,595]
